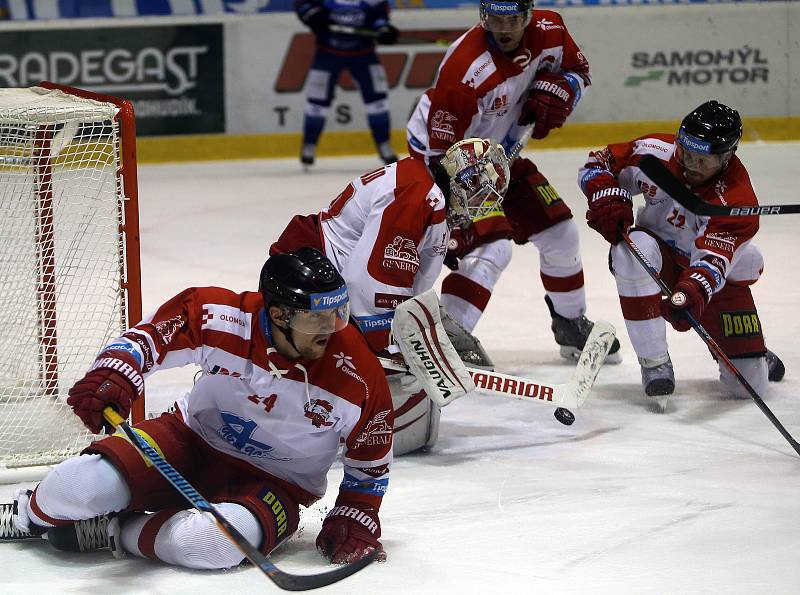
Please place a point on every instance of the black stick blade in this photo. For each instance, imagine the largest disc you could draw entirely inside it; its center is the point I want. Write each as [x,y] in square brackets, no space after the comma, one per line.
[306,582]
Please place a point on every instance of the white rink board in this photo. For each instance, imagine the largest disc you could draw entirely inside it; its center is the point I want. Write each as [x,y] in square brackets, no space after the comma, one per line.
[747,55]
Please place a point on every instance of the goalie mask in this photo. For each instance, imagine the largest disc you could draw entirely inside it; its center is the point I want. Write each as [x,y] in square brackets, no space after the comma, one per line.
[479,176]
[706,140]
[309,291]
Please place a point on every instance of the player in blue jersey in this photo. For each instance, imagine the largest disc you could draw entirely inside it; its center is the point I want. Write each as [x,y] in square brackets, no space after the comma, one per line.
[346,34]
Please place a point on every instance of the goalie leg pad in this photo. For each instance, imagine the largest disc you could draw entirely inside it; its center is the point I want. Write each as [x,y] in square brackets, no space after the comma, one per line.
[430,356]
[416,421]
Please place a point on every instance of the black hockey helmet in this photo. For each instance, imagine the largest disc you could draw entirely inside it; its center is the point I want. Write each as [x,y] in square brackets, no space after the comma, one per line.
[520,10]
[304,280]
[506,6]
[712,128]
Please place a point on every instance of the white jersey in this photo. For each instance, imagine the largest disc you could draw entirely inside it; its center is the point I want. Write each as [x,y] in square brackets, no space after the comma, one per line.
[386,234]
[480,91]
[286,417]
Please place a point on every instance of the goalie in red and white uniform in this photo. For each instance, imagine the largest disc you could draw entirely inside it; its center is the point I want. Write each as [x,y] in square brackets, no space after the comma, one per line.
[710,261]
[284,379]
[517,69]
[387,234]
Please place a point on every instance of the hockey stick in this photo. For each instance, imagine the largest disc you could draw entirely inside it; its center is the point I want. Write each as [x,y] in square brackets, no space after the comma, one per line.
[654,168]
[284,580]
[520,144]
[571,394]
[711,344]
[401,40]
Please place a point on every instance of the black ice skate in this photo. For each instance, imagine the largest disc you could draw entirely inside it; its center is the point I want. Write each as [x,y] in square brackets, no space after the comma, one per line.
[387,154]
[775,367]
[571,335]
[307,156]
[658,380]
[467,346]
[102,532]
[8,530]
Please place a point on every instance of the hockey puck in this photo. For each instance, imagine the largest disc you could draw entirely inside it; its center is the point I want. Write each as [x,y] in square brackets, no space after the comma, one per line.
[565,416]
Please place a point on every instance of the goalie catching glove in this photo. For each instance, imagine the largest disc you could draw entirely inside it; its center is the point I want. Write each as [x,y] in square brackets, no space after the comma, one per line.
[430,356]
[349,533]
[114,380]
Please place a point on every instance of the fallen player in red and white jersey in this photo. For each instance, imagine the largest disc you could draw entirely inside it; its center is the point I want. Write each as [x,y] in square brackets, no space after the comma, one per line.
[516,70]
[387,234]
[712,261]
[284,379]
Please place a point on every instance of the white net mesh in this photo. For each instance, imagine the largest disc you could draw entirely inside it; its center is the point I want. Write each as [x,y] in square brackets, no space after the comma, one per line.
[61,257]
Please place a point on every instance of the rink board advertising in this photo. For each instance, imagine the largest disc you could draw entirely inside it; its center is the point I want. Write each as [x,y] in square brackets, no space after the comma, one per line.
[173,74]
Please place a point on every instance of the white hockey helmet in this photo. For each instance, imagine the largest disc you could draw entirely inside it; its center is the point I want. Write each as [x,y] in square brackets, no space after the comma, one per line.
[479,176]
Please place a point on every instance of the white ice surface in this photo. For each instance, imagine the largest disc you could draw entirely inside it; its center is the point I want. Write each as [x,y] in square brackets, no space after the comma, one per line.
[702,499]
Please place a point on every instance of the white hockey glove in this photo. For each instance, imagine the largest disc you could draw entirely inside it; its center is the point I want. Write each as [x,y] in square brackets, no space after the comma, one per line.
[417,329]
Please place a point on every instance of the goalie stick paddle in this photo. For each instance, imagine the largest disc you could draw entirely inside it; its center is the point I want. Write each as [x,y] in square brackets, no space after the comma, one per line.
[284,580]
[570,394]
[711,344]
[655,169]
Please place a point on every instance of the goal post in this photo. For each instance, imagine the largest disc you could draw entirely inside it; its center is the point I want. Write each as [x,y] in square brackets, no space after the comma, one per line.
[69,259]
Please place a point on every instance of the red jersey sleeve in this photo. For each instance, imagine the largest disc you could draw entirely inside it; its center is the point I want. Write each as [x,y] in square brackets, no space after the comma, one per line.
[368,448]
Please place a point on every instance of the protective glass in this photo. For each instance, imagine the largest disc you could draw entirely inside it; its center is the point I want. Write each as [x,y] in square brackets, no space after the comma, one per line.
[329,313]
[503,17]
[706,164]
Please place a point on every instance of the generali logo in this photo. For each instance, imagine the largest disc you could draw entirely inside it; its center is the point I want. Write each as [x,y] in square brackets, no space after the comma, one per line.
[419,62]
[401,254]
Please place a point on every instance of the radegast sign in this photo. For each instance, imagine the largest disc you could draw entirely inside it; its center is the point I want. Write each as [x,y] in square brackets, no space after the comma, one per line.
[738,66]
[172,74]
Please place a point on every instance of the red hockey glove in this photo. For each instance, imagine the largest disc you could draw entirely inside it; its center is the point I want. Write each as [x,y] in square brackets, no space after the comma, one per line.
[115,379]
[691,294]
[549,103]
[349,533]
[461,242]
[610,212]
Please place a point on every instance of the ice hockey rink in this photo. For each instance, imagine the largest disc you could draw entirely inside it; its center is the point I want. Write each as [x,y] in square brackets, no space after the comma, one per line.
[704,498]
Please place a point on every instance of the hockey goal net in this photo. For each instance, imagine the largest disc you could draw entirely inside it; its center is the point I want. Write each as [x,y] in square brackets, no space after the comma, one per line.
[69,258]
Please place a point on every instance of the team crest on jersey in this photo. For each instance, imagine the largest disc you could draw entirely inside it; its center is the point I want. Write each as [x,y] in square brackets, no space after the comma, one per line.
[402,255]
[442,126]
[318,411]
[378,431]
[166,329]
[546,25]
